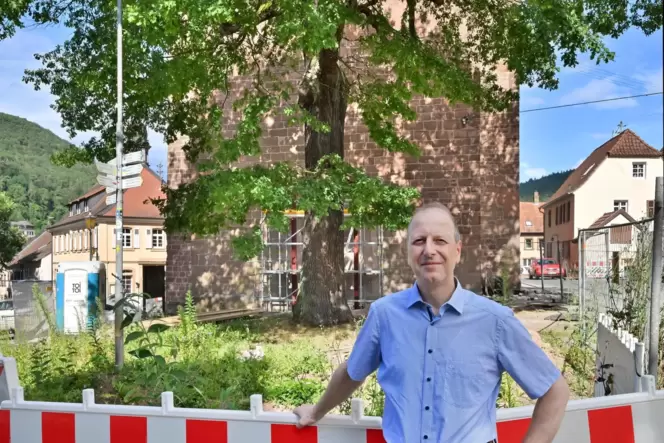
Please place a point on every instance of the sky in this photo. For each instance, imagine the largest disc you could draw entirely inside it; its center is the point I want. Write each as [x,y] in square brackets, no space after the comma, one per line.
[550,140]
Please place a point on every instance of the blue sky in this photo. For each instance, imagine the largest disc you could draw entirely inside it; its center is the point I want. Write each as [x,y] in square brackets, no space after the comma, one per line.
[551,140]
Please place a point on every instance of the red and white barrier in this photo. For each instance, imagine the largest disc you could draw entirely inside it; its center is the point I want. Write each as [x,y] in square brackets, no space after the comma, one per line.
[629,418]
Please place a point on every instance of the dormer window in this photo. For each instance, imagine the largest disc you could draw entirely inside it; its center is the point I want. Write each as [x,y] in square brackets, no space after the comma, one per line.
[71,210]
[86,209]
[78,207]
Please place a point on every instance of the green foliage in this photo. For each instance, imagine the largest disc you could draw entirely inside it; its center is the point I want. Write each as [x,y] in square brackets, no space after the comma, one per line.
[179,53]
[11,238]
[39,189]
[546,186]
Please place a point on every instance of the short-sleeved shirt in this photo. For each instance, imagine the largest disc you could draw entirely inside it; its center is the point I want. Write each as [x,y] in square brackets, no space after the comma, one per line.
[441,374]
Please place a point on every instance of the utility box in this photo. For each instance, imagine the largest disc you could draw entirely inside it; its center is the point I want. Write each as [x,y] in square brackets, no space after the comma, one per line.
[78,287]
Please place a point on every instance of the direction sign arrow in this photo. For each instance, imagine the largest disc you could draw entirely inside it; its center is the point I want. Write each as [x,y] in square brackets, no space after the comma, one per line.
[105,180]
[133,157]
[133,182]
[110,169]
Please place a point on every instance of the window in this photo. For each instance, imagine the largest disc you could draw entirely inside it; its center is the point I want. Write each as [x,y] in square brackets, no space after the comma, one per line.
[126,282]
[71,210]
[619,204]
[639,170]
[158,238]
[549,218]
[126,237]
[86,207]
[651,208]
[569,207]
[557,215]
[78,207]
[529,243]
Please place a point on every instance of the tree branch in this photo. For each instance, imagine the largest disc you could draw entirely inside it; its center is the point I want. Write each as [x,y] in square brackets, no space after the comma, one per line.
[230,28]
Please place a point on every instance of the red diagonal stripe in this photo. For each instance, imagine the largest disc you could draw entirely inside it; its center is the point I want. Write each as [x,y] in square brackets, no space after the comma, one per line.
[375,436]
[611,425]
[5,427]
[208,431]
[58,427]
[512,431]
[129,429]
[291,434]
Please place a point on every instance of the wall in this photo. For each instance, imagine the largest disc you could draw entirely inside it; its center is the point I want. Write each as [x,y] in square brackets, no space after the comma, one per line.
[469,161]
[613,181]
[133,257]
[622,350]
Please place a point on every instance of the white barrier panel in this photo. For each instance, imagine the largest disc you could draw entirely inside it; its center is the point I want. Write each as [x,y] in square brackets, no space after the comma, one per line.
[623,356]
[629,418]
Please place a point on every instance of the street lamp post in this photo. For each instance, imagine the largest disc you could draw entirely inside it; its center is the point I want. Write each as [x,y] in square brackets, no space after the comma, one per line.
[90,224]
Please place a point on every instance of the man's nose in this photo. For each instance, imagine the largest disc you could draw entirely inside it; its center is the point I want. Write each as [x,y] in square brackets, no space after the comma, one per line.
[428,247]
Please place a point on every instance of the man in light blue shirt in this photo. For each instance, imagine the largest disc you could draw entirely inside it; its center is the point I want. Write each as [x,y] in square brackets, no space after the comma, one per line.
[440,351]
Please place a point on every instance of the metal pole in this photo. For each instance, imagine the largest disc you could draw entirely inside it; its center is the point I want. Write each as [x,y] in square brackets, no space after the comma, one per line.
[119,339]
[541,263]
[560,268]
[582,279]
[656,278]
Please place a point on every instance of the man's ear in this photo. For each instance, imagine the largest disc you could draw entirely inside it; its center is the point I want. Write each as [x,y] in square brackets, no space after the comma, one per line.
[458,248]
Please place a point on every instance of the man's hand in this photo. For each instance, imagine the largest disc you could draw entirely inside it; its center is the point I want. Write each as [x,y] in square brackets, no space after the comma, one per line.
[306,415]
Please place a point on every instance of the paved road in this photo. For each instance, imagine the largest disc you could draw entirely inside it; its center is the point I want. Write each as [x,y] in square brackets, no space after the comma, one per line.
[550,284]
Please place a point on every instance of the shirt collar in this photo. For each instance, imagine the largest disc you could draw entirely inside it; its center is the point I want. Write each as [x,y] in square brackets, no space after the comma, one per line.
[457,300]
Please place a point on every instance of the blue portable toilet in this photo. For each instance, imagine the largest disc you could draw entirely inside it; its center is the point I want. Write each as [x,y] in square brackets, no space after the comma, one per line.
[78,284]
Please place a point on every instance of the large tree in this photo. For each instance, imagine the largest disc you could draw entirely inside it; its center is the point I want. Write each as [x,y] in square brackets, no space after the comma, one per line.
[180,53]
[11,239]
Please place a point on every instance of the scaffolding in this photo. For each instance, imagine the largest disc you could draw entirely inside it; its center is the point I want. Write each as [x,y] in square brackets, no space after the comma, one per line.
[281,265]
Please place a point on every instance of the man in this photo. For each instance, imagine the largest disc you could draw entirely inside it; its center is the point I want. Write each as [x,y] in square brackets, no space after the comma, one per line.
[440,351]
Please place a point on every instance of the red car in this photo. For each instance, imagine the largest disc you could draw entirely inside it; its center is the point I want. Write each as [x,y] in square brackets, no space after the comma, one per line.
[547,267]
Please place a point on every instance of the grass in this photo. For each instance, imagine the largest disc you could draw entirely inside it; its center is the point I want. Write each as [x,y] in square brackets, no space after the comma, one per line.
[204,365]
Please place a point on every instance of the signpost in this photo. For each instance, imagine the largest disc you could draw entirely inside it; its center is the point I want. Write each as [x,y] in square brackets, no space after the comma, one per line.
[123,172]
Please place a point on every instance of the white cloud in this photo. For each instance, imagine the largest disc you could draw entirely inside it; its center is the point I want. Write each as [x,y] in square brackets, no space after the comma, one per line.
[652,80]
[600,90]
[532,172]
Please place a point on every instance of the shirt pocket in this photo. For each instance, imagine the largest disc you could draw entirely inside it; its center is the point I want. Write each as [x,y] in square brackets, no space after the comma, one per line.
[466,384]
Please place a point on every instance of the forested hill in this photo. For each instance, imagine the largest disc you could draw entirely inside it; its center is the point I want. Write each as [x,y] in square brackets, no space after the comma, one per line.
[546,186]
[39,189]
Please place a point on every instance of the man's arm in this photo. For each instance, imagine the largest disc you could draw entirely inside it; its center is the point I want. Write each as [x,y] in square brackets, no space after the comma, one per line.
[363,360]
[548,414]
[339,389]
[536,374]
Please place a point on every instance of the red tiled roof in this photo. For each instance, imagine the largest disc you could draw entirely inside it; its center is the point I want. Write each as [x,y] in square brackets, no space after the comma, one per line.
[624,145]
[37,248]
[134,201]
[607,217]
[530,212]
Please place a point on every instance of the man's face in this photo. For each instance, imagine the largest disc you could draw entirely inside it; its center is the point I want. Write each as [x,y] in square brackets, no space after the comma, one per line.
[432,251]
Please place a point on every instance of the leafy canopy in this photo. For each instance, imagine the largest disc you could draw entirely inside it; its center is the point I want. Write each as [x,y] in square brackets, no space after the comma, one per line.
[180,53]
[11,238]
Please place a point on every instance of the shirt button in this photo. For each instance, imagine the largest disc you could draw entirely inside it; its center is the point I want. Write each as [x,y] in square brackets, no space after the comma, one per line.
[428,378]
[426,437]
[426,408]
[430,351]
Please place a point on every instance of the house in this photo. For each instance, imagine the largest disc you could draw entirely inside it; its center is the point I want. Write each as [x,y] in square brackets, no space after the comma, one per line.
[532,230]
[26,228]
[88,233]
[469,161]
[616,183]
[34,261]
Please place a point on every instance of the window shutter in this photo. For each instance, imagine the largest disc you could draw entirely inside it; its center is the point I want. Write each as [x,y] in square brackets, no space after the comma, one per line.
[137,238]
[113,242]
[85,240]
[148,239]
[95,232]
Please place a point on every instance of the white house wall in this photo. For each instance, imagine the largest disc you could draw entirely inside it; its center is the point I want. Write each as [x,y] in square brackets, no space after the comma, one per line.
[612,180]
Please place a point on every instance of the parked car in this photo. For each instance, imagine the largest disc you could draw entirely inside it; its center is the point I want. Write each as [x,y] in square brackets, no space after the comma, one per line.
[547,267]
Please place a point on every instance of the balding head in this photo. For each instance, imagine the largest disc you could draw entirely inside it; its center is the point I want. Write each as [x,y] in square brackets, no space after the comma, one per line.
[434,206]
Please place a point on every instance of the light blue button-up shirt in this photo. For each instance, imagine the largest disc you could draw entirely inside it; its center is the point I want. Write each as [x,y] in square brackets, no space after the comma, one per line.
[441,374]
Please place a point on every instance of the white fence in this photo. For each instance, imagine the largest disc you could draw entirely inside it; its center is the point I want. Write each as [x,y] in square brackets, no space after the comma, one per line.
[620,359]
[629,418]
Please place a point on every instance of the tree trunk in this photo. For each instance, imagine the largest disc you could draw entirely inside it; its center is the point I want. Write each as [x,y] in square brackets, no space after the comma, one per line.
[323,299]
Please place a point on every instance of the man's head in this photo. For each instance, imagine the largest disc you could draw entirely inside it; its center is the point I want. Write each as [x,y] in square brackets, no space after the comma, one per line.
[434,244]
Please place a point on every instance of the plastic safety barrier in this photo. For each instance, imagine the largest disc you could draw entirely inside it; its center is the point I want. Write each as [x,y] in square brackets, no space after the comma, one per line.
[629,418]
